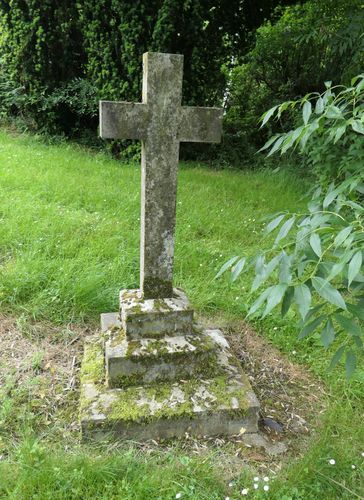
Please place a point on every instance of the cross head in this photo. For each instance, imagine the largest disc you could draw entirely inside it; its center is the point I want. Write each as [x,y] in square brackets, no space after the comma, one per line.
[161,123]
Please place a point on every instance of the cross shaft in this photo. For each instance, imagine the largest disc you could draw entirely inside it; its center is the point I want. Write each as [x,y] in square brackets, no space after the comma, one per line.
[161,123]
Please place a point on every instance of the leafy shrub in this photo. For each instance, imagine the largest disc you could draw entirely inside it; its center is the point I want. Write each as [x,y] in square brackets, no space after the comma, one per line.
[317,259]
[308,44]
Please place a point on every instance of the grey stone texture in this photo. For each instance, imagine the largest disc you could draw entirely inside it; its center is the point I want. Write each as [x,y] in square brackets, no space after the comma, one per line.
[142,317]
[146,361]
[161,123]
[205,406]
[154,373]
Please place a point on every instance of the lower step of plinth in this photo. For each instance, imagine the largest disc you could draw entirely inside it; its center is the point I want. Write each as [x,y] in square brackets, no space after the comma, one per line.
[221,405]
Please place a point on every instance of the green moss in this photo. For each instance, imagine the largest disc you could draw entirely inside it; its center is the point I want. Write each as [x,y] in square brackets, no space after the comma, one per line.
[93,364]
[148,404]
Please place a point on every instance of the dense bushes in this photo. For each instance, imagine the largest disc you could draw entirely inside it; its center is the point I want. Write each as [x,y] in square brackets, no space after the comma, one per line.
[306,46]
[54,54]
[57,59]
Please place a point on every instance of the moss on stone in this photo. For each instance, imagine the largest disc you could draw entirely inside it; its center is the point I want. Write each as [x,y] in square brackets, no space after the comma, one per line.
[93,365]
[157,288]
[135,404]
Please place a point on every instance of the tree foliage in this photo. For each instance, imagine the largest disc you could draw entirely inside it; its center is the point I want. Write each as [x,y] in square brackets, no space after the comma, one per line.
[317,260]
[54,54]
[306,45]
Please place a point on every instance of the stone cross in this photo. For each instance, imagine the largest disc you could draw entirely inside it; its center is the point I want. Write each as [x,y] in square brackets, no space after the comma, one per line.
[161,123]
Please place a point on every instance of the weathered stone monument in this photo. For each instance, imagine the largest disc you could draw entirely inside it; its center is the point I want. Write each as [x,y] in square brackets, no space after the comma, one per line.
[154,372]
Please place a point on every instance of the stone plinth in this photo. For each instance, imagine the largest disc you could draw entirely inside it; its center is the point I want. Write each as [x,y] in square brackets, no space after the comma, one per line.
[222,404]
[134,362]
[156,374]
[143,318]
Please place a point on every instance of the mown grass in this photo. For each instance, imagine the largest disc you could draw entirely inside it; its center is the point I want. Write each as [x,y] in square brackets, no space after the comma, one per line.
[69,233]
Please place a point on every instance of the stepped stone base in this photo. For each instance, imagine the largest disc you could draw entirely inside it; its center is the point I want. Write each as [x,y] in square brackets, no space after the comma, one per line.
[219,405]
[155,374]
[149,360]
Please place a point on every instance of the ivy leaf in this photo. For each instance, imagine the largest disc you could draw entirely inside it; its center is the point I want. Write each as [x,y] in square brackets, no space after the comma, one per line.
[328,292]
[355,266]
[306,111]
[226,266]
[315,243]
[328,334]
[311,327]
[350,364]
[302,296]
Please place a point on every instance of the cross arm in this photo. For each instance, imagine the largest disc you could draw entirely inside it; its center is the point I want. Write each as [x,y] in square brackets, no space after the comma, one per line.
[123,120]
[200,124]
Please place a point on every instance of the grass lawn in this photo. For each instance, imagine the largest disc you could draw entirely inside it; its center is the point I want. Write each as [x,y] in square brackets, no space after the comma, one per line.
[69,236]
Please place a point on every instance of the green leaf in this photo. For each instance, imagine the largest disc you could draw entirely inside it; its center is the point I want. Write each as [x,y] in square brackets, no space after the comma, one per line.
[226,266]
[302,297]
[274,223]
[328,334]
[328,292]
[356,310]
[336,357]
[257,304]
[306,111]
[319,106]
[267,115]
[285,229]
[340,131]
[355,266]
[315,243]
[348,325]
[285,268]
[341,237]
[350,364]
[277,145]
[333,112]
[274,298]
[311,327]
[330,197]
[237,269]
[265,272]
[268,143]
[287,300]
[358,126]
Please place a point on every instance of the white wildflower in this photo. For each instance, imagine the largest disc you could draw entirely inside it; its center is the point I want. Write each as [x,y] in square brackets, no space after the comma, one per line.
[266,487]
[266,479]
[256,479]
[353,467]
[256,486]
[178,495]
[332,461]
[245,491]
